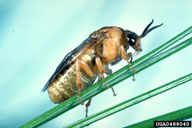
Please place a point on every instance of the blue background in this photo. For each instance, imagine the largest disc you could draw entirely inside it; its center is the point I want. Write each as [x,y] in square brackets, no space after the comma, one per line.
[35,35]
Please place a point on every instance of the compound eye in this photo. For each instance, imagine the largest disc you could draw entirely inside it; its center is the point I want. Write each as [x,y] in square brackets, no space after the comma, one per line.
[131,40]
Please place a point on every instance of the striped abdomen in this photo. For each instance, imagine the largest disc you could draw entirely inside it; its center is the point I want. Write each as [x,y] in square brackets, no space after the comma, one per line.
[64,85]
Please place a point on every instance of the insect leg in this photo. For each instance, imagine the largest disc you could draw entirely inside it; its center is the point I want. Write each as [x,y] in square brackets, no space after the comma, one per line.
[126,57]
[101,69]
[87,105]
[78,81]
[109,72]
[129,55]
[87,69]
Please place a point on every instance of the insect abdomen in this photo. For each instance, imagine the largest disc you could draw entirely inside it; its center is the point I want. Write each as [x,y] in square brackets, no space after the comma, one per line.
[64,85]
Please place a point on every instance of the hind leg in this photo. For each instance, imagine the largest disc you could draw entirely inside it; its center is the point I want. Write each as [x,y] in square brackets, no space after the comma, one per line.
[87,69]
[87,106]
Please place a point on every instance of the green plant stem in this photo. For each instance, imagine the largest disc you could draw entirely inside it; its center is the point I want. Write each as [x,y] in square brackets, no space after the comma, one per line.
[121,106]
[124,73]
[178,115]
[97,88]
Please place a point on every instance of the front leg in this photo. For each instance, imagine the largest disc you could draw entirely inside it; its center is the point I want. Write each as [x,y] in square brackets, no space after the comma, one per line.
[127,57]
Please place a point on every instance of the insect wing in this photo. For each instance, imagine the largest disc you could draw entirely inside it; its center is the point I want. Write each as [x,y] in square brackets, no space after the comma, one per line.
[69,58]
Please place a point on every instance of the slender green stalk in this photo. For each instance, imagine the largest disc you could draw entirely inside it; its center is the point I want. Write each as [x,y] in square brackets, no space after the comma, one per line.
[113,79]
[178,115]
[121,106]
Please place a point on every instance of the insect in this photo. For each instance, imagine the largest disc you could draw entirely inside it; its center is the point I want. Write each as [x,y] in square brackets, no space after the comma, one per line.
[80,67]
